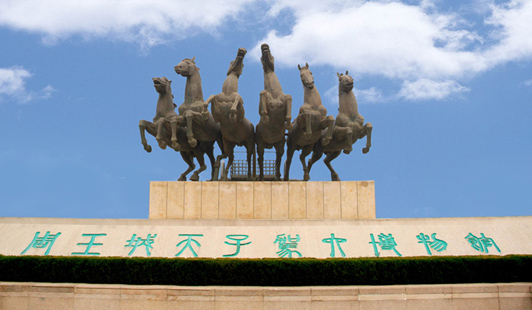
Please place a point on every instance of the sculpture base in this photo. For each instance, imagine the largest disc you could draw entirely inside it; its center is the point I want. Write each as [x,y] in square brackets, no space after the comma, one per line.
[344,200]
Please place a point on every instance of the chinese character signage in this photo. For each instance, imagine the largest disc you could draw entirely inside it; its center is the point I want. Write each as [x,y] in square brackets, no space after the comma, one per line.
[251,239]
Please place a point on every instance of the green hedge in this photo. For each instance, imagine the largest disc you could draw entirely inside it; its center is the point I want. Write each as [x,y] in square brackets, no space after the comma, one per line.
[268,272]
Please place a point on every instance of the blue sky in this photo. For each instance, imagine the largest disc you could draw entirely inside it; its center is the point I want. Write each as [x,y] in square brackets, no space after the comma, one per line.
[447,86]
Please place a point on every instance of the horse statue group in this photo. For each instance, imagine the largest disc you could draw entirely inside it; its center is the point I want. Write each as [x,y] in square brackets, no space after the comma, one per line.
[194,130]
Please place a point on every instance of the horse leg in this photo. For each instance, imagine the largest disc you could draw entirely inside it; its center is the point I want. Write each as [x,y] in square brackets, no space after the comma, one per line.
[279,152]
[174,120]
[327,122]
[228,150]
[308,124]
[250,149]
[189,116]
[205,112]
[209,150]
[260,154]
[347,134]
[201,161]
[304,153]
[188,157]
[237,113]
[160,130]
[316,155]
[289,154]
[263,107]
[219,158]
[143,126]
[369,128]
[288,119]
[330,156]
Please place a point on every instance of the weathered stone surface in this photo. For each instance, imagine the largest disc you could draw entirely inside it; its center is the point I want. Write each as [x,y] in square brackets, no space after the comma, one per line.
[411,297]
[111,236]
[193,196]
[262,200]
[349,200]
[244,200]
[158,200]
[227,200]
[210,200]
[175,207]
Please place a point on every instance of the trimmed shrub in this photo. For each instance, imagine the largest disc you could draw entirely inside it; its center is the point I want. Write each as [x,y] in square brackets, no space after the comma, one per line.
[268,271]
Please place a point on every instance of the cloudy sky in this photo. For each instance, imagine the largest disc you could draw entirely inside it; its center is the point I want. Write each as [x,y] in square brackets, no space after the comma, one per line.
[446,84]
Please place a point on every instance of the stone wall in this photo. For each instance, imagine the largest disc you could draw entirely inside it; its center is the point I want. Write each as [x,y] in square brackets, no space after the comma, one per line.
[310,238]
[349,200]
[63,296]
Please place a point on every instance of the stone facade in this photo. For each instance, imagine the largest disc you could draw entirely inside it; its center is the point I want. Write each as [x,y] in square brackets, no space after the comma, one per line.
[349,200]
[43,296]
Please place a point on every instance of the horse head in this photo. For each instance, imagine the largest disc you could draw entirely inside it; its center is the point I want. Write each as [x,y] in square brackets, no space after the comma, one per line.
[162,85]
[165,103]
[306,76]
[345,82]
[237,65]
[267,59]
[187,67]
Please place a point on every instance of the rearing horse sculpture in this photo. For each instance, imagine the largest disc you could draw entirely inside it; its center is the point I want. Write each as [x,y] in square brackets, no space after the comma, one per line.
[349,127]
[200,126]
[307,127]
[162,130]
[228,110]
[275,110]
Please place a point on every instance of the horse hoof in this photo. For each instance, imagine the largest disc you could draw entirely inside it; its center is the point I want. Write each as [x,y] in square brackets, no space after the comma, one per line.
[306,177]
[194,178]
[365,150]
[176,146]
[335,177]
[147,148]
[162,144]
[193,142]
[348,150]
[325,141]
[182,178]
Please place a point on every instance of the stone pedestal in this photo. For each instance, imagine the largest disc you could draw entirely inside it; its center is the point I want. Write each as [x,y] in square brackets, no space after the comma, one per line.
[346,200]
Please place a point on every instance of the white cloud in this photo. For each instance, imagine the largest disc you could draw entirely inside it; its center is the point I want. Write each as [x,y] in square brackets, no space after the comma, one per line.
[12,80]
[390,39]
[404,42]
[148,22]
[423,89]
[13,86]
[528,83]
[399,41]
[370,95]
[514,22]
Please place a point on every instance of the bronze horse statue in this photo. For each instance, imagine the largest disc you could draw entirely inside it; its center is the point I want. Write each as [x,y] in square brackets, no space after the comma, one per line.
[162,130]
[275,110]
[307,127]
[349,127]
[199,126]
[228,110]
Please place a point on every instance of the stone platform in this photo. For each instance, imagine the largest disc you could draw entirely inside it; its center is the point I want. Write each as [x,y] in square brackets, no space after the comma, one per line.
[345,200]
